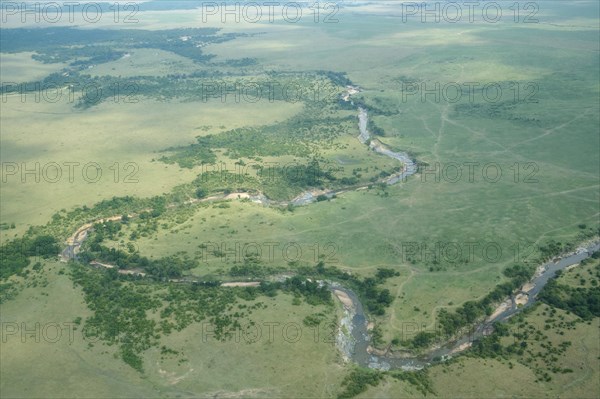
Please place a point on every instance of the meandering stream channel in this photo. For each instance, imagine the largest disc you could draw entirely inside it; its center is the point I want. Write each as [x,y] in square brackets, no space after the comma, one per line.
[354,341]
[409,167]
[353,338]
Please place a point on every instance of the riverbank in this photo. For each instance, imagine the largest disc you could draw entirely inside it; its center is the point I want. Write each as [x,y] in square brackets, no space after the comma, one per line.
[365,355]
[353,338]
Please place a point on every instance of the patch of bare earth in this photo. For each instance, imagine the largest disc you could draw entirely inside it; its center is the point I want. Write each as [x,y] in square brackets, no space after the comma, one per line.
[521,299]
[247,284]
[344,298]
[503,306]
[245,393]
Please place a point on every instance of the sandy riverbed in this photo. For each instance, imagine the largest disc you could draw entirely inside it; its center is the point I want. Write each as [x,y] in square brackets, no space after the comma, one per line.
[248,284]
[521,299]
[344,298]
[461,347]
[503,306]
[527,287]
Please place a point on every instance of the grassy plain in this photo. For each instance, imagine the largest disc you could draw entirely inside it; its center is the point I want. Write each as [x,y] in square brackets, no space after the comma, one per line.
[273,360]
[12,70]
[522,375]
[552,142]
[112,132]
[60,361]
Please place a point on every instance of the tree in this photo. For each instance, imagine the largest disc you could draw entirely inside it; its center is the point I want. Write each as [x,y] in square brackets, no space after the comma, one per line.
[423,339]
[44,246]
[201,192]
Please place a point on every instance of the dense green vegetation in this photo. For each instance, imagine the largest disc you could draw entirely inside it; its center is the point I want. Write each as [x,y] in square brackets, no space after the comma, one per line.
[304,135]
[250,268]
[162,74]
[471,311]
[303,285]
[526,342]
[64,44]
[359,380]
[541,346]
[120,313]
[374,298]
[72,46]
[187,302]
[419,379]
[164,268]
[15,255]
[125,308]
[582,301]
[274,181]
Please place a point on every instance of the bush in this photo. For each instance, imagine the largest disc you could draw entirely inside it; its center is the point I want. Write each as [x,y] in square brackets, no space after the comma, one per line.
[201,193]
[358,381]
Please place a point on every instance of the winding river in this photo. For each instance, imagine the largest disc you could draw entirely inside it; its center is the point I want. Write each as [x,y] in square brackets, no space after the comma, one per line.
[353,338]
[409,167]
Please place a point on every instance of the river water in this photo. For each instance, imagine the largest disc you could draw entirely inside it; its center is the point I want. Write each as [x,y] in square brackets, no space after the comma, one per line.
[409,166]
[354,339]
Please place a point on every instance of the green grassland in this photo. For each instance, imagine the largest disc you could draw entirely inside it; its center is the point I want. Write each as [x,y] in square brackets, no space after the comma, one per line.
[167,132]
[268,366]
[146,62]
[12,68]
[111,133]
[560,356]
[69,363]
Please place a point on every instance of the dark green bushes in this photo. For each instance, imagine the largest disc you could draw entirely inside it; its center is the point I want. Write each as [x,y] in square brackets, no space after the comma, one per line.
[14,255]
